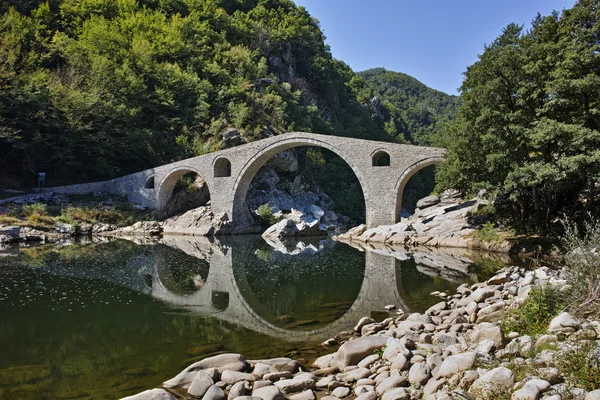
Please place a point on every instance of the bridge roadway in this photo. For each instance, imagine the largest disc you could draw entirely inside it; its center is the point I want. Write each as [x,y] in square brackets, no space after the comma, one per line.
[382,168]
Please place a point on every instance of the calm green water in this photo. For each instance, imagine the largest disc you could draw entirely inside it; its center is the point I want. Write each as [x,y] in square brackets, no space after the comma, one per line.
[106,320]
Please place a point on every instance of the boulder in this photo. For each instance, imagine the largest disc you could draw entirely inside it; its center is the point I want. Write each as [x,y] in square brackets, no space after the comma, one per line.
[427,202]
[419,374]
[564,323]
[493,383]
[390,383]
[352,352]
[221,362]
[235,376]
[455,364]
[297,384]
[268,393]
[593,395]
[214,393]
[200,384]
[237,390]
[396,394]
[153,394]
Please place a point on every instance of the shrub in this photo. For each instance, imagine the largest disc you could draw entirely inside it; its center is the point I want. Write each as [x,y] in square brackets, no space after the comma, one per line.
[536,312]
[488,233]
[35,208]
[67,219]
[580,364]
[266,216]
[583,265]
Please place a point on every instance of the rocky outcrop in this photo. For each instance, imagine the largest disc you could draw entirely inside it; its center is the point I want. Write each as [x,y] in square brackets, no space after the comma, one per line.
[200,221]
[10,234]
[439,222]
[185,200]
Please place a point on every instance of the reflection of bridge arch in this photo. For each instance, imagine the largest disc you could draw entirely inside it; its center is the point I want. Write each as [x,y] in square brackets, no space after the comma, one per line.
[379,287]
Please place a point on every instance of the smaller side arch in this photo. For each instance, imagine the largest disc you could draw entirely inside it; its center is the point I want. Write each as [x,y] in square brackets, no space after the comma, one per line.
[164,190]
[222,168]
[407,174]
[149,184]
[380,158]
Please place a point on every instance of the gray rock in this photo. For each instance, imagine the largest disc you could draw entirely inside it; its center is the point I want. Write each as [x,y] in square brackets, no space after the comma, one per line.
[433,385]
[235,376]
[248,398]
[261,384]
[275,376]
[482,293]
[593,395]
[222,362]
[350,353]
[455,364]
[564,323]
[396,394]
[400,362]
[527,392]
[297,384]
[356,374]
[427,202]
[362,322]
[390,383]
[419,374]
[200,384]
[490,331]
[237,390]
[341,392]
[493,382]
[154,394]
[268,393]
[367,396]
[306,395]
[368,361]
[214,393]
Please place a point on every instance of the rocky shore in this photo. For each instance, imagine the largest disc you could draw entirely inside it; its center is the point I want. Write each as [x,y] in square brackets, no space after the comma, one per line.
[457,349]
[444,221]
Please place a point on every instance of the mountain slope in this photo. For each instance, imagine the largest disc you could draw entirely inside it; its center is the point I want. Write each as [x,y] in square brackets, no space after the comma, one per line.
[419,110]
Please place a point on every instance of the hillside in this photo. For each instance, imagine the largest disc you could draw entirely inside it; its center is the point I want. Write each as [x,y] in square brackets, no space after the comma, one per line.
[420,111]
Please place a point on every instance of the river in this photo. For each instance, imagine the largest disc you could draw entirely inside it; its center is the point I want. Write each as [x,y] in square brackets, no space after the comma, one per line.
[106,318]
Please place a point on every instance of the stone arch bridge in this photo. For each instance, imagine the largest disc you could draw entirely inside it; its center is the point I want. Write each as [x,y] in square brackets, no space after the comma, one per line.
[382,168]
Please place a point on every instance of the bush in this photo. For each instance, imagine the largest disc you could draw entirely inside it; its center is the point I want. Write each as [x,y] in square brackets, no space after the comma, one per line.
[67,219]
[488,233]
[35,208]
[534,315]
[265,215]
[583,263]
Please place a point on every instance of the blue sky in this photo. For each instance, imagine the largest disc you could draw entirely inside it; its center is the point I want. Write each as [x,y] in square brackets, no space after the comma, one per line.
[434,41]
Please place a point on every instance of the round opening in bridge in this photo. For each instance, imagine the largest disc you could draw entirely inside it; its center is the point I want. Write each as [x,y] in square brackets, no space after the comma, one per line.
[184,190]
[149,184]
[181,273]
[306,184]
[381,159]
[301,286]
[222,168]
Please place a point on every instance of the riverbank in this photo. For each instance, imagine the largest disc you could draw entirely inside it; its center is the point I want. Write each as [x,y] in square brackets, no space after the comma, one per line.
[473,344]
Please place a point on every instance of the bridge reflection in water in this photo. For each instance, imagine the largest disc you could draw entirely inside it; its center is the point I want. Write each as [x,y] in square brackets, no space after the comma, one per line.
[228,286]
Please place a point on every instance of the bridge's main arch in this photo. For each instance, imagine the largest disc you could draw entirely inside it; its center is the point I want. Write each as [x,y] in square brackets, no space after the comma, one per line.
[260,158]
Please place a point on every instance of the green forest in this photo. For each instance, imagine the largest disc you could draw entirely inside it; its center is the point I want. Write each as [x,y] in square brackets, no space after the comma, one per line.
[528,126]
[95,89]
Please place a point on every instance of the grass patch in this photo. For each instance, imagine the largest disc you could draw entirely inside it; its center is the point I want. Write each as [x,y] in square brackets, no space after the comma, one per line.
[534,315]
